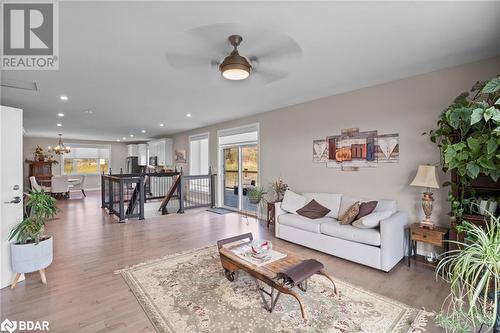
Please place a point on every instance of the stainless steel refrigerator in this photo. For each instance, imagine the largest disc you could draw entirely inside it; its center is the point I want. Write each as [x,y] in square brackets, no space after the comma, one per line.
[132,165]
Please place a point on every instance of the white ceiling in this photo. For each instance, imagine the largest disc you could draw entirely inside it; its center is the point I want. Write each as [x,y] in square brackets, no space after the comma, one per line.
[112,60]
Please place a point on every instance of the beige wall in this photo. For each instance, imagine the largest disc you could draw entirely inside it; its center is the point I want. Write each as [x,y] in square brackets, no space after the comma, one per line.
[408,107]
[118,157]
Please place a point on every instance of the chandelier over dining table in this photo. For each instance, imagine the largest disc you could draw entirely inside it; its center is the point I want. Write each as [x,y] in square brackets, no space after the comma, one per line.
[60,148]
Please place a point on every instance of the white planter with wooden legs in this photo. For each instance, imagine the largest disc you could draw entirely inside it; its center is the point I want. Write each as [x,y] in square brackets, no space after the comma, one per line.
[31,257]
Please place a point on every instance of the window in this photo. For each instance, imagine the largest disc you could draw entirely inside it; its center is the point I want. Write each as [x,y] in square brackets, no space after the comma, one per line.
[198,154]
[86,159]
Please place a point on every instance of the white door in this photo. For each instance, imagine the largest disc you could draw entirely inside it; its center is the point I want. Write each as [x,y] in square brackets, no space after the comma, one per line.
[11,183]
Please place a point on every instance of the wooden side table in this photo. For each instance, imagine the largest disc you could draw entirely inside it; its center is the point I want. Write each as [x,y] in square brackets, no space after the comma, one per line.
[271,214]
[437,237]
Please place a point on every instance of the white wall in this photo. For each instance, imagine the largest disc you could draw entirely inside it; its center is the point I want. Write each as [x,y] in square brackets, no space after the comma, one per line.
[408,107]
[118,157]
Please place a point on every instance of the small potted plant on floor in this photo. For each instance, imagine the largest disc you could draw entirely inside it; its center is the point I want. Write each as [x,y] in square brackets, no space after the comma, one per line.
[473,272]
[255,195]
[32,250]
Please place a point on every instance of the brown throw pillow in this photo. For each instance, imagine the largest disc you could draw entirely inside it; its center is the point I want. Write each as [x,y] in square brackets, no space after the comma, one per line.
[313,210]
[366,208]
[350,214]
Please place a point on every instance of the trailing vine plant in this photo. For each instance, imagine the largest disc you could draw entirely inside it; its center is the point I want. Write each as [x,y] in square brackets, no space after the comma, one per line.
[468,136]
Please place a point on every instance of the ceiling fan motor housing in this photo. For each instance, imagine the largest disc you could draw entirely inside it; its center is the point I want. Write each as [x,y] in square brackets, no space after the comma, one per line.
[235,66]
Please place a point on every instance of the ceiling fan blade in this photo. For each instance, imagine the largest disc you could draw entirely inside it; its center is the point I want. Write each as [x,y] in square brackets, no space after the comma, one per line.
[179,60]
[278,48]
[268,75]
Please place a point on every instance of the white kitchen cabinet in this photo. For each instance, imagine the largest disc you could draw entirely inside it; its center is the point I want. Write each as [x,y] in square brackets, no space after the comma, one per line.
[132,151]
[162,149]
[142,154]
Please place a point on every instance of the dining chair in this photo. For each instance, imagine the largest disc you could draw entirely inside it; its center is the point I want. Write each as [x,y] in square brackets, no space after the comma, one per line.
[80,185]
[37,187]
[60,186]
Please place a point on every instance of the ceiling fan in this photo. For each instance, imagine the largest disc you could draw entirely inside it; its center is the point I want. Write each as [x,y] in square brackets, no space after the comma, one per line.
[234,66]
[267,56]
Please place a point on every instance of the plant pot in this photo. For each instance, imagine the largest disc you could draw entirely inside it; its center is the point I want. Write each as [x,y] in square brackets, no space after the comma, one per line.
[254,201]
[487,206]
[31,257]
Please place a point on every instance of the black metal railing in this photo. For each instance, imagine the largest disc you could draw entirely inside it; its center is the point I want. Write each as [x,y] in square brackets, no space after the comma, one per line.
[123,195]
[198,191]
[158,184]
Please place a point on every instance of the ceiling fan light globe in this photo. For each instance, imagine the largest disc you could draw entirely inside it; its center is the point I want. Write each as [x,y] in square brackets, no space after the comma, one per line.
[235,74]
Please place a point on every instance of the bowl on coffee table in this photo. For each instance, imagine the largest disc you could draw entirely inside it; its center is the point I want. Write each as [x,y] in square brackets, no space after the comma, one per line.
[261,248]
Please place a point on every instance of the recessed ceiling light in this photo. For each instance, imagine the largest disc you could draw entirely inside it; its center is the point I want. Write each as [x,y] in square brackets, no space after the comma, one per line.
[124,138]
[131,135]
[88,111]
[143,131]
[63,98]
[60,114]
[59,125]
[162,124]
[188,115]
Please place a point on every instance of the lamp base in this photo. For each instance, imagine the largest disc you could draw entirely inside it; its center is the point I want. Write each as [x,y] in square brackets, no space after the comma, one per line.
[426,224]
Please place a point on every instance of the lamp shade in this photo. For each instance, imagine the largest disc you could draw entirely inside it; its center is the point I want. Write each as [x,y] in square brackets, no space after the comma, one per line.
[426,177]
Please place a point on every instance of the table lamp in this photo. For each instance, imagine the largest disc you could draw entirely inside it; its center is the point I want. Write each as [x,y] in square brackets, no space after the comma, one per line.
[426,177]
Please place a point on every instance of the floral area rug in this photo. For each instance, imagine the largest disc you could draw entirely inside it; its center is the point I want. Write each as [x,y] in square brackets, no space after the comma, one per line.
[188,292]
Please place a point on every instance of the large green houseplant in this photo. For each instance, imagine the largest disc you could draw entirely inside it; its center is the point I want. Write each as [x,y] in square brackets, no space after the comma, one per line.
[468,136]
[39,208]
[473,272]
[32,250]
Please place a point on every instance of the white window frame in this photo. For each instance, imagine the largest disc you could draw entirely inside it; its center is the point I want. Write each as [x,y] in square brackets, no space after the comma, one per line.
[196,137]
[85,145]
[255,127]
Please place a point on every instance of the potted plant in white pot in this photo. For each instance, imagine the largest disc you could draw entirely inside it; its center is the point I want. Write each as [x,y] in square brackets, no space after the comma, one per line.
[473,271]
[32,250]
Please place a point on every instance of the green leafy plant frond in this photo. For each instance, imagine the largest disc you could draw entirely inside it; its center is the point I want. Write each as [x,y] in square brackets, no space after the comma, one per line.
[468,136]
[473,272]
[40,207]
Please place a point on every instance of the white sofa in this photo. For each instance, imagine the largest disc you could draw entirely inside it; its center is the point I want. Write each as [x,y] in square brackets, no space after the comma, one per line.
[381,247]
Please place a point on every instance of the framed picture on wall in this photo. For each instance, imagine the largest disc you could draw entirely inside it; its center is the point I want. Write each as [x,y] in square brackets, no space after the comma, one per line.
[180,156]
[320,151]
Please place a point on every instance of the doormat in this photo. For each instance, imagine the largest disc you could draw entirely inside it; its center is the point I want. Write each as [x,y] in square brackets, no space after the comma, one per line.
[220,211]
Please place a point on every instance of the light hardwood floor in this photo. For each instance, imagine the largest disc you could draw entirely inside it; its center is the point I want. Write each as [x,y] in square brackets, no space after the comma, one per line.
[84,295]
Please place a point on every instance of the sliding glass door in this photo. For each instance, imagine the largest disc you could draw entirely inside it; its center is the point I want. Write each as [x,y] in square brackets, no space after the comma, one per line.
[231,176]
[240,174]
[249,176]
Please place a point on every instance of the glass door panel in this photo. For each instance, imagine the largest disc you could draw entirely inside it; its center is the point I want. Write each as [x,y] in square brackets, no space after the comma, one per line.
[231,177]
[249,175]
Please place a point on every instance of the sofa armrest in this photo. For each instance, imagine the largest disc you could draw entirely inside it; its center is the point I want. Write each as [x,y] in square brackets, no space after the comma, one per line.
[392,239]
[278,211]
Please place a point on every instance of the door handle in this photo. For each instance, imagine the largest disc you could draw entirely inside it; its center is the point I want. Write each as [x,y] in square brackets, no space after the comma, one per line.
[15,200]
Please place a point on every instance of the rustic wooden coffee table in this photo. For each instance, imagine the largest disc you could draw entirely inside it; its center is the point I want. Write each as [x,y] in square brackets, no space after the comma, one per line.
[232,263]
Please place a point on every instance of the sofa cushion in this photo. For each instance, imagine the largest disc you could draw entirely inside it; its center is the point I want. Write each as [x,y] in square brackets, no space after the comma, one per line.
[366,208]
[371,220]
[313,210]
[346,203]
[329,200]
[303,223]
[350,233]
[350,214]
[386,205]
[292,201]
